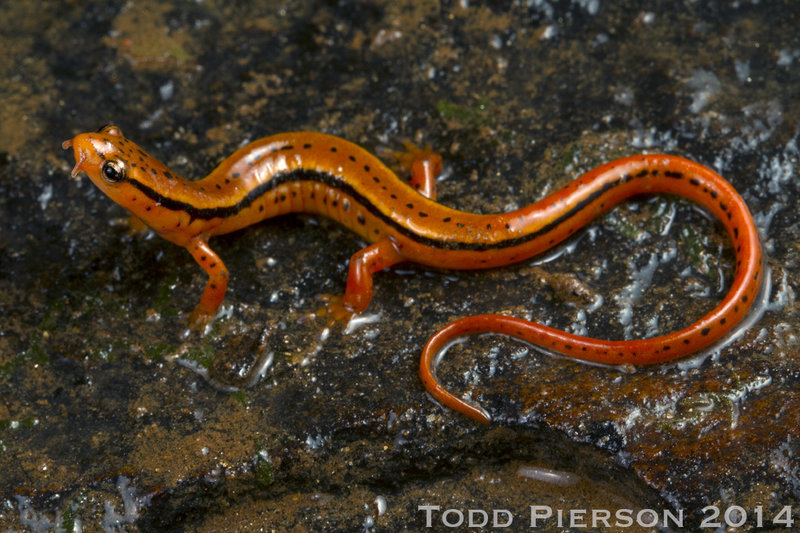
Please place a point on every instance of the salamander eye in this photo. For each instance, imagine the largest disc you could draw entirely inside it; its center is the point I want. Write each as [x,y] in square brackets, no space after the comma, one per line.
[110,129]
[113,171]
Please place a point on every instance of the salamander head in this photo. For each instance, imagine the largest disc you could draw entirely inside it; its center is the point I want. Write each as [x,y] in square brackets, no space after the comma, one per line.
[126,174]
[114,163]
[104,156]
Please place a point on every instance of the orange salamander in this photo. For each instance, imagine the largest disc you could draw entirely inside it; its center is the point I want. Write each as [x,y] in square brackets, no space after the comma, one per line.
[326,175]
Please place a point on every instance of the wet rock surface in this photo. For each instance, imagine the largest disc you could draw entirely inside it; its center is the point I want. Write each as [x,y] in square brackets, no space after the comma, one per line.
[113,416]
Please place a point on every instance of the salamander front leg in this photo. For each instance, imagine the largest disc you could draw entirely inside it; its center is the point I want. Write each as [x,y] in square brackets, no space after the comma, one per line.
[136,224]
[363,264]
[216,286]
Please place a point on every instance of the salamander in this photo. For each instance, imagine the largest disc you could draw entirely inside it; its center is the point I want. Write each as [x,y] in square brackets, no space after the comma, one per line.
[326,175]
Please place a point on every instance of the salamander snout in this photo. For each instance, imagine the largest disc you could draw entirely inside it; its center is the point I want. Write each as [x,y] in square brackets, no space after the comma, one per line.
[80,151]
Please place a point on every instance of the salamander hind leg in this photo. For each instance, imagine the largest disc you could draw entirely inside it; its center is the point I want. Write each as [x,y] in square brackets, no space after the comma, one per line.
[214,292]
[423,165]
[363,264]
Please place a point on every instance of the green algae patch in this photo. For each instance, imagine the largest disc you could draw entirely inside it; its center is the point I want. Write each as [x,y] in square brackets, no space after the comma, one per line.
[476,115]
[696,250]
[159,351]
[202,354]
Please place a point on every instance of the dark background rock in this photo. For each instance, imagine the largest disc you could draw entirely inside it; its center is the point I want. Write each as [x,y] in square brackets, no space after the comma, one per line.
[112,417]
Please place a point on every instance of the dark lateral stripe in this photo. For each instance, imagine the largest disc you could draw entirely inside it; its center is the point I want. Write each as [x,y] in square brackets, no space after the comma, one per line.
[330,180]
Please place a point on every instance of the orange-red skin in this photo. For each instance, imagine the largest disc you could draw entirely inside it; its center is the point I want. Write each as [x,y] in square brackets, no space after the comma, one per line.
[326,175]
